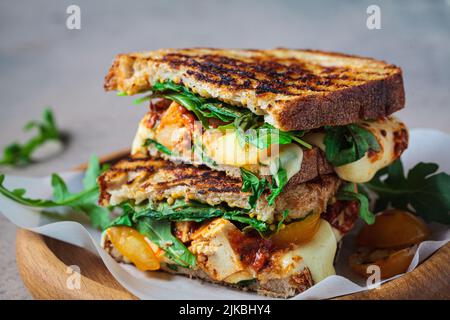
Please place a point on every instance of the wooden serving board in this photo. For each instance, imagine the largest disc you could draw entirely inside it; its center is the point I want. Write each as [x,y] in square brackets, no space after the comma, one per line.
[43,265]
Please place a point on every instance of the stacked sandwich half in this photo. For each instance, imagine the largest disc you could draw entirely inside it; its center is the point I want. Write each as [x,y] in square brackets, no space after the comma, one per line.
[244,169]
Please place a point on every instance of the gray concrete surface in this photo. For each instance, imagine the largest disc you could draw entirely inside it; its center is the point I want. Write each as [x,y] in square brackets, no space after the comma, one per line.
[43,63]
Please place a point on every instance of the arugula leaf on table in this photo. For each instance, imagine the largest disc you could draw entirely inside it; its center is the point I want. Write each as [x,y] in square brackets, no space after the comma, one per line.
[347,192]
[84,201]
[423,190]
[346,144]
[17,154]
[157,145]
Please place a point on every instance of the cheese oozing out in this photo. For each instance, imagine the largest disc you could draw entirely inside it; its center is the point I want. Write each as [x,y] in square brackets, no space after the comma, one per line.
[364,169]
[223,147]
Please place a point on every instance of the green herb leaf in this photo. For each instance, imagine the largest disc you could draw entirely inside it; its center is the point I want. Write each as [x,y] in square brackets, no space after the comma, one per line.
[242,119]
[158,146]
[202,108]
[252,129]
[84,201]
[347,192]
[347,144]
[423,190]
[250,182]
[278,183]
[93,171]
[160,233]
[17,154]
[122,220]
[182,210]
[199,151]
[283,218]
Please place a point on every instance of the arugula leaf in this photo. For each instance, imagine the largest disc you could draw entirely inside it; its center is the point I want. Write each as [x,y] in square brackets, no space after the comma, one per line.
[182,210]
[203,108]
[247,283]
[253,130]
[239,119]
[160,233]
[256,224]
[279,182]
[17,154]
[257,186]
[199,151]
[422,190]
[84,201]
[158,146]
[250,182]
[283,218]
[346,144]
[93,171]
[347,192]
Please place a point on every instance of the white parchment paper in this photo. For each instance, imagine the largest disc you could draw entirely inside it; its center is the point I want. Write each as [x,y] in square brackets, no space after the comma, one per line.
[426,145]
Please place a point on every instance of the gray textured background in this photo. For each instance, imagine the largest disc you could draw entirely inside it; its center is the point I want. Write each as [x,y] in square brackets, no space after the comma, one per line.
[43,63]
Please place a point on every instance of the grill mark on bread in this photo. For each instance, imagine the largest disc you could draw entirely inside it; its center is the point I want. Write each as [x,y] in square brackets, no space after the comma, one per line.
[263,76]
[191,182]
[296,89]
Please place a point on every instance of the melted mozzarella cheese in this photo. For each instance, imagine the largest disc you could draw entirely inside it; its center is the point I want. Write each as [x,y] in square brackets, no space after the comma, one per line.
[143,133]
[364,169]
[317,254]
[225,149]
[289,157]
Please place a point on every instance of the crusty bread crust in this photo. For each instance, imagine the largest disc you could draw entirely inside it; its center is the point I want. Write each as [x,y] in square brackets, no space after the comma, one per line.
[294,89]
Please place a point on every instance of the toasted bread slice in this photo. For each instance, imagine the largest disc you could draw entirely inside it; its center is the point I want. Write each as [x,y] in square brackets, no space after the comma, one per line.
[159,180]
[293,89]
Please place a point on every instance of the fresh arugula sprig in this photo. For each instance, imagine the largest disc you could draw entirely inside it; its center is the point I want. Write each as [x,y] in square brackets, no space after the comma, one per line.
[257,186]
[160,233]
[154,221]
[157,145]
[422,191]
[252,183]
[253,130]
[199,150]
[279,181]
[157,231]
[182,210]
[348,193]
[250,127]
[84,201]
[203,108]
[17,154]
[346,144]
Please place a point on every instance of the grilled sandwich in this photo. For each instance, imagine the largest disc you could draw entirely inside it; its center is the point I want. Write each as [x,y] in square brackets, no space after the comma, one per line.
[244,169]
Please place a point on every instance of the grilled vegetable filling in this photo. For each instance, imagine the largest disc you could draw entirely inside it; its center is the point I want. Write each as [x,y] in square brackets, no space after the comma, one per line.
[183,125]
[175,234]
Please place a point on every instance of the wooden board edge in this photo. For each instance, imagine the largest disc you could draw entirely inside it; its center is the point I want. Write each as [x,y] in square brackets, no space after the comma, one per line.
[56,274]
